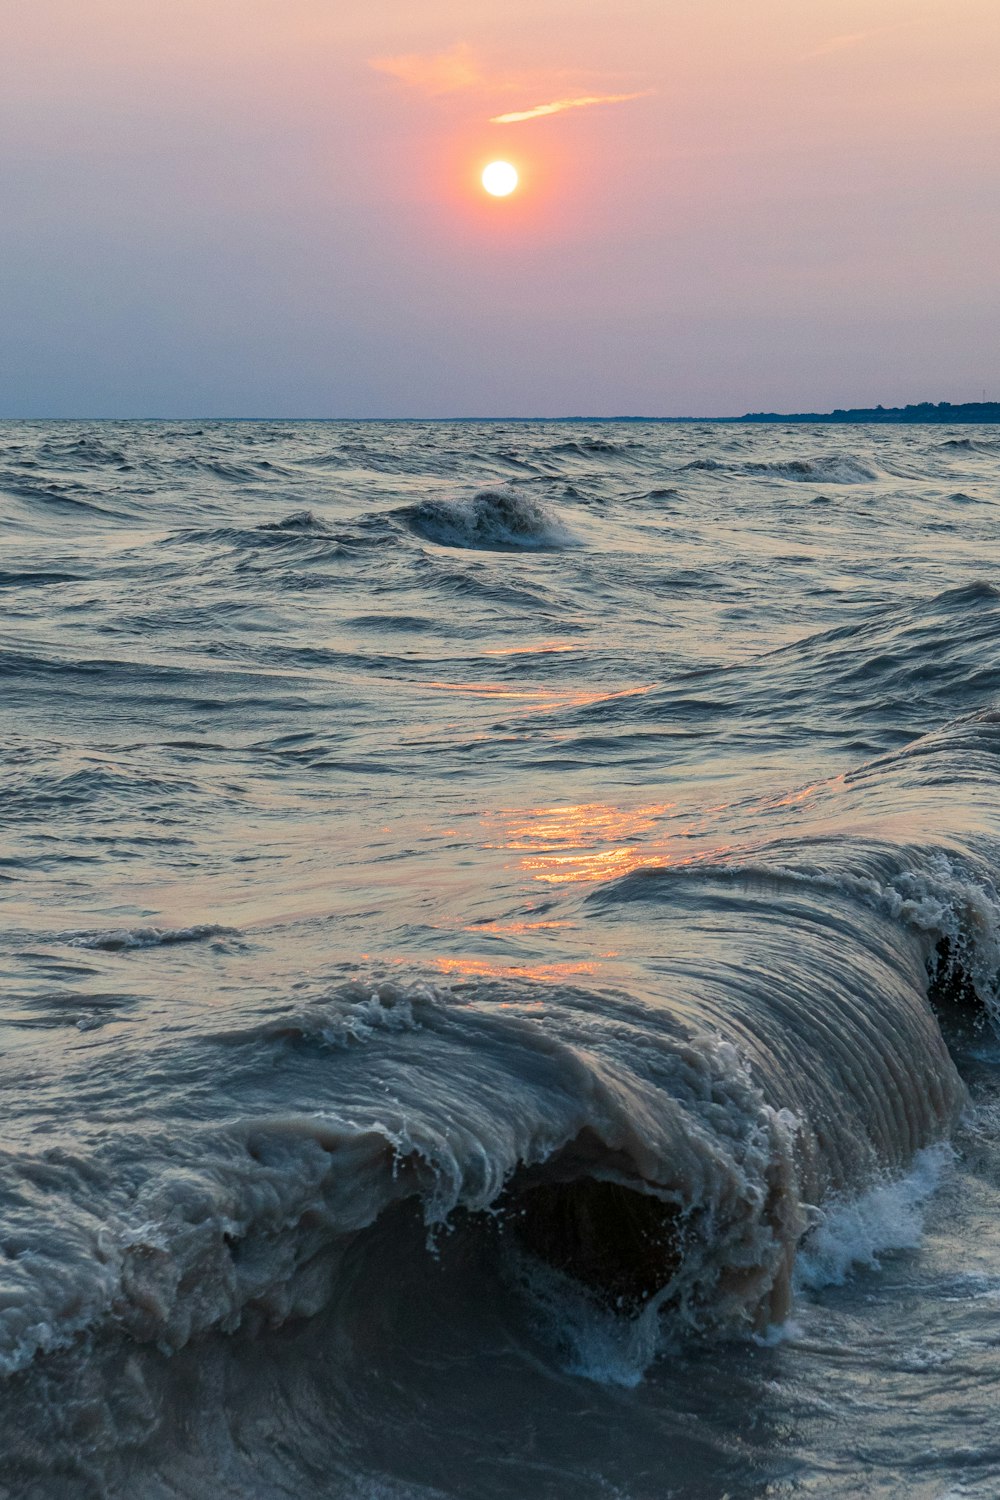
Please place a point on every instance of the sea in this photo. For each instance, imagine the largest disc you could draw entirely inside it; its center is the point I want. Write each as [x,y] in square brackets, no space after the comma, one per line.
[499,961]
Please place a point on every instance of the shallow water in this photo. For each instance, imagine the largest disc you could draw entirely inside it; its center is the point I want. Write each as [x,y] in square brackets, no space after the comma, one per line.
[500,955]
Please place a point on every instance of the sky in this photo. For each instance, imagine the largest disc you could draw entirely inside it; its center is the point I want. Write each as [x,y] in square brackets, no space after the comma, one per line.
[217,208]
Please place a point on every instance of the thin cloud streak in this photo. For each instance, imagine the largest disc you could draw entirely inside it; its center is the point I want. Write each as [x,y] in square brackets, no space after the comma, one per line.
[558,105]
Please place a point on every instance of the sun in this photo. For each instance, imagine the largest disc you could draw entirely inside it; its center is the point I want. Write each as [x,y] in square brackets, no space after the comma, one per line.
[499,178]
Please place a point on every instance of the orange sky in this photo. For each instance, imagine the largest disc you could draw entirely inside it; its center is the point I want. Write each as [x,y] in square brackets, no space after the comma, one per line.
[271,206]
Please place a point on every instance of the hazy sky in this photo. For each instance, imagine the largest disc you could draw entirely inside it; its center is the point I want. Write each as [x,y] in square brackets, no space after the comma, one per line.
[271,207]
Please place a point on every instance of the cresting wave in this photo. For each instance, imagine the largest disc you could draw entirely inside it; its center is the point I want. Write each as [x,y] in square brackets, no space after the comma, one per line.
[247,1223]
[669,1155]
[497,519]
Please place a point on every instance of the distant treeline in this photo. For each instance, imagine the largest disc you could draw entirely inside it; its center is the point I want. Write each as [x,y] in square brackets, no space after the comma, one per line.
[922,411]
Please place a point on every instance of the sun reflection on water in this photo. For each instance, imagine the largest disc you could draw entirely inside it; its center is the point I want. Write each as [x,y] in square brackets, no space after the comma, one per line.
[539,699]
[587,841]
[484,968]
[541,648]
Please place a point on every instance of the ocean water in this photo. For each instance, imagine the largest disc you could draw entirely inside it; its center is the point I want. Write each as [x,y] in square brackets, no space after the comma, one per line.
[500,961]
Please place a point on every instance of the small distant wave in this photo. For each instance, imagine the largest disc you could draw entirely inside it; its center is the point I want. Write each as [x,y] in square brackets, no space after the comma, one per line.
[587,446]
[72,497]
[298,521]
[980,591]
[834,468]
[124,938]
[382,1009]
[35,579]
[493,520]
[217,468]
[301,532]
[86,449]
[875,683]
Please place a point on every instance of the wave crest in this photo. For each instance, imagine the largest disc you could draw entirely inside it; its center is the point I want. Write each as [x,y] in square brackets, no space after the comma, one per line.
[498,519]
[833,468]
[122,939]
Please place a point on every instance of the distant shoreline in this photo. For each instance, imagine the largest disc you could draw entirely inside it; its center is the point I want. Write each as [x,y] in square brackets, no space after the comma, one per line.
[924,411]
[942,412]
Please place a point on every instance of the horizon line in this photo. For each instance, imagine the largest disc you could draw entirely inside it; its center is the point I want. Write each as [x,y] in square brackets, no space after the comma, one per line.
[747,416]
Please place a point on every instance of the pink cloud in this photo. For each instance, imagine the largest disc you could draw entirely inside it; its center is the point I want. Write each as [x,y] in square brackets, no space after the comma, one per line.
[436,72]
[851,39]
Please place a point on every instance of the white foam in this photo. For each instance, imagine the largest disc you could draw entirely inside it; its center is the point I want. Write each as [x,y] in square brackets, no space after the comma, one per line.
[597,1343]
[856,1232]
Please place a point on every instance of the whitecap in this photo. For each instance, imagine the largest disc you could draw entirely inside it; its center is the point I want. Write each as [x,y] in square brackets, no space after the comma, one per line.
[498,519]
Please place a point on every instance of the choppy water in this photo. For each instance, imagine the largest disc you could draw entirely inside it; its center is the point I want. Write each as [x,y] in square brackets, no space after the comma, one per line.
[500,943]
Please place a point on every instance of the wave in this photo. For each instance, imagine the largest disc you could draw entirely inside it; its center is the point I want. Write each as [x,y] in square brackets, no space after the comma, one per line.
[72,497]
[123,939]
[299,531]
[586,446]
[829,469]
[668,1156]
[86,449]
[834,468]
[970,445]
[218,468]
[493,520]
[36,578]
[298,521]
[872,685]
[636,1165]
[242,1224]
[674,1149]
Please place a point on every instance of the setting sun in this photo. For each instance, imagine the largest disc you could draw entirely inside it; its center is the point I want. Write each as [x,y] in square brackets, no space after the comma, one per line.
[499,178]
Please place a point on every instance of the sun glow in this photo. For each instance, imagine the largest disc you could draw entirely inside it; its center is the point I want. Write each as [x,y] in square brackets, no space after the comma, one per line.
[499,178]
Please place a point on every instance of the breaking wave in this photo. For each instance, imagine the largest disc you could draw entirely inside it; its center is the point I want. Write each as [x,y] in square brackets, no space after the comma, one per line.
[653,1157]
[493,520]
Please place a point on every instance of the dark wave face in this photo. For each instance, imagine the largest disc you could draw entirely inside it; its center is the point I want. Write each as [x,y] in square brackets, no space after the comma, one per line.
[501,960]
